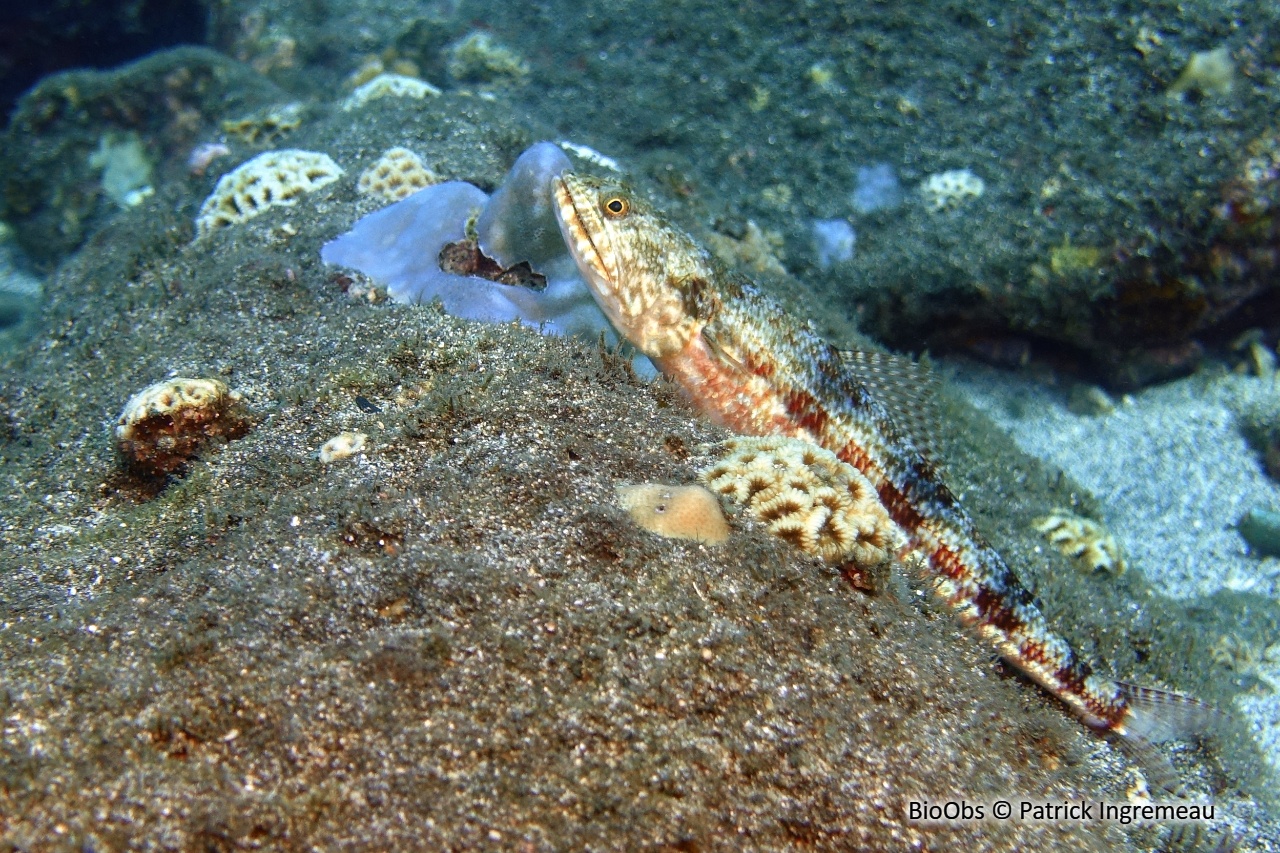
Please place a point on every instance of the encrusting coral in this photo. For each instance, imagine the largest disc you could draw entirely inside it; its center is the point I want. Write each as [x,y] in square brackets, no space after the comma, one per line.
[1085,541]
[677,512]
[389,86]
[479,58]
[266,127]
[396,175]
[268,180]
[946,191]
[808,496]
[165,425]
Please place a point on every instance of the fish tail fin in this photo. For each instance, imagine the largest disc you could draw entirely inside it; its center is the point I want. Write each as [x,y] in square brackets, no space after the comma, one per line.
[1157,716]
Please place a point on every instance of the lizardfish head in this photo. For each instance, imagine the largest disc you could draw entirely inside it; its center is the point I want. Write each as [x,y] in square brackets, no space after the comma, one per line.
[653,282]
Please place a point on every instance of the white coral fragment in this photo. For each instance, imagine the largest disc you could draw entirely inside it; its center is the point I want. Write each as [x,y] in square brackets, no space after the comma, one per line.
[397,174]
[344,445]
[948,190]
[808,496]
[273,179]
[1085,541]
[389,86]
[1208,72]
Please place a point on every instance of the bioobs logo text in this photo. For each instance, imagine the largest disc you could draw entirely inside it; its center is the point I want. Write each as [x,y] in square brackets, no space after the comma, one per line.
[951,811]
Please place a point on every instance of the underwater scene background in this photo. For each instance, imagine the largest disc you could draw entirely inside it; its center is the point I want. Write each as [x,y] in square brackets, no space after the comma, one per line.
[291,559]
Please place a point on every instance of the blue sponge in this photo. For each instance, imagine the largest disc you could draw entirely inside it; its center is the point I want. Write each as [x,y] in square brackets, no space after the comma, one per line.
[399,247]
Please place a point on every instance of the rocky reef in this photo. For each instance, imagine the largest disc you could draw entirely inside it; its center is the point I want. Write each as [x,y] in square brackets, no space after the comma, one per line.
[1126,228]
[1100,246]
[51,191]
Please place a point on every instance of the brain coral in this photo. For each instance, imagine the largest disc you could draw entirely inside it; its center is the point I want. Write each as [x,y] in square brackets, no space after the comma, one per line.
[269,180]
[808,496]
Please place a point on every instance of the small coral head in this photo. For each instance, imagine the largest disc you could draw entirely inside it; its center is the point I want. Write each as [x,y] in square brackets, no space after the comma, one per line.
[167,425]
[676,512]
[649,278]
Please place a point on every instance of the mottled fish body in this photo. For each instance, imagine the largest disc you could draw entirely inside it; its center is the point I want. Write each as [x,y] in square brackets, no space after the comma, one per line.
[755,369]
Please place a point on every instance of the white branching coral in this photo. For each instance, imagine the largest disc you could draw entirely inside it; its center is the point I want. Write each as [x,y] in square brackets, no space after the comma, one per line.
[808,496]
[269,180]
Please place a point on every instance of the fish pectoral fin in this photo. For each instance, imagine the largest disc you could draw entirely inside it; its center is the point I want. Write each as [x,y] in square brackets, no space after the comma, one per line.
[699,297]
[722,352]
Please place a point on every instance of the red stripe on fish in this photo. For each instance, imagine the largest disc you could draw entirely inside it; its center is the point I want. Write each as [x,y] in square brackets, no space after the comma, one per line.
[755,369]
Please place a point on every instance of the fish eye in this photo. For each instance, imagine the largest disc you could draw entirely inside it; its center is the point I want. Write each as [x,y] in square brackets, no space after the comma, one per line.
[616,207]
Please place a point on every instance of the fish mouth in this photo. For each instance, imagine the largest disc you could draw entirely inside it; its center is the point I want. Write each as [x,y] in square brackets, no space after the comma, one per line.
[577,216]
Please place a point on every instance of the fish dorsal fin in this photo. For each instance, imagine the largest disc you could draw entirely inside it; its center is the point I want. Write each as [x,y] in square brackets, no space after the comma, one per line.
[906,388]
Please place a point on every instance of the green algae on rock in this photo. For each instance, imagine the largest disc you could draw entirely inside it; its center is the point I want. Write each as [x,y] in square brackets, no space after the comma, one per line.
[1261,529]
